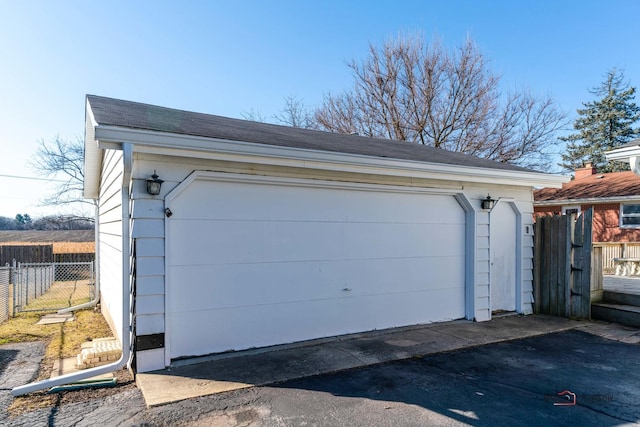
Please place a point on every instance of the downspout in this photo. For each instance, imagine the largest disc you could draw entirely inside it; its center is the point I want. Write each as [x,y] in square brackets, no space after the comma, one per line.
[96,263]
[126,344]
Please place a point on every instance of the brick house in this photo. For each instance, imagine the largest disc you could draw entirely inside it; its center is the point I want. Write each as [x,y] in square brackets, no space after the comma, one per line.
[614,196]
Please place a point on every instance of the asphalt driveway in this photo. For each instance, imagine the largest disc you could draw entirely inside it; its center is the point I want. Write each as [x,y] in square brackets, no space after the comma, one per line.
[508,383]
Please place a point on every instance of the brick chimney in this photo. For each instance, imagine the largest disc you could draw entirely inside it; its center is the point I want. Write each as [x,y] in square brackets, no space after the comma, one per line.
[585,171]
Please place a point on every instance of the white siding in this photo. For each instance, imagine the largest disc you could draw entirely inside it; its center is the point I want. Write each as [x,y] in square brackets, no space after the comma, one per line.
[483,310]
[147,228]
[110,238]
[526,207]
[522,198]
[147,231]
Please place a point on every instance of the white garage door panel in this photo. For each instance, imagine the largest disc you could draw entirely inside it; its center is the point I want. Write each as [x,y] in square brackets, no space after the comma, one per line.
[263,241]
[255,265]
[261,284]
[312,319]
[211,200]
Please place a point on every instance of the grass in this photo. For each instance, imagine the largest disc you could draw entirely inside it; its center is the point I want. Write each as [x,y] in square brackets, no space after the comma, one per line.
[23,328]
[73,247]
[63,339]
[62,294]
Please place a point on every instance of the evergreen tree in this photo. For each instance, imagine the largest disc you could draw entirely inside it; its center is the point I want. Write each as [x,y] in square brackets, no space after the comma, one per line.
[603,125]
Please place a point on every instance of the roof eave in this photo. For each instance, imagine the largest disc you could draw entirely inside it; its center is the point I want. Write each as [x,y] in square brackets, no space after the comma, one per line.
[627,153]
[155,142]
[590,200]
[623,154]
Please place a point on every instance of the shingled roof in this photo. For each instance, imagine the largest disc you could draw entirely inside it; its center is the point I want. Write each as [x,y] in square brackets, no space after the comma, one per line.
[134,115]
[597,186]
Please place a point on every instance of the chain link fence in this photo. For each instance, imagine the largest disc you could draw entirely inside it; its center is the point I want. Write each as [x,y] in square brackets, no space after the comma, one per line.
[52,286]
[5,292]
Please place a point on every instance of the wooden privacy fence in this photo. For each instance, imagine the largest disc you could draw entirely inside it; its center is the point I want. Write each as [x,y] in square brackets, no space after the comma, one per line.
[562,269]
[26,253]
[74,257]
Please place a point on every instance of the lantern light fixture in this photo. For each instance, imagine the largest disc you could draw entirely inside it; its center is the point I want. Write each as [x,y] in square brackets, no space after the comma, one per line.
[154,184]
[488,203]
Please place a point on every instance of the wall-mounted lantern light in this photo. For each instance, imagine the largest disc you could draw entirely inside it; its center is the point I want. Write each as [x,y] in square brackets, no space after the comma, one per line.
[488,203]
[154,184]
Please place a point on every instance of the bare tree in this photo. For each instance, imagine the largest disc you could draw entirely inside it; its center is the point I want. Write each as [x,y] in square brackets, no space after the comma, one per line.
[413,91]
[254,116]
[295,114]
[63,161]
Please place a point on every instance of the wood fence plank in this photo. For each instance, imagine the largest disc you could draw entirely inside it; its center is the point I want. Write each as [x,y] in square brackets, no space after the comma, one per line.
[576,276]
[581,276]
[544,260]
[585,285]
[554,265]
[564,271]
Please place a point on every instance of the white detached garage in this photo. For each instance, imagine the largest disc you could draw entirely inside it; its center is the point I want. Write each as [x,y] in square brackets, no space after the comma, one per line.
[264,235]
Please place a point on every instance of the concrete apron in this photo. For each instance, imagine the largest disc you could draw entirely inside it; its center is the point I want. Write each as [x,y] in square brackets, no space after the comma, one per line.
[232,371]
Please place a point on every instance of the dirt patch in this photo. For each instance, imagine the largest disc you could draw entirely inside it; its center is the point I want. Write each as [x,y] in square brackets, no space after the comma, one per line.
[62,340]
[41,400]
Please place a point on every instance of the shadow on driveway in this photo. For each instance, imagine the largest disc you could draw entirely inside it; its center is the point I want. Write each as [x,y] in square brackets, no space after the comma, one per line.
[7,355]
[508,383]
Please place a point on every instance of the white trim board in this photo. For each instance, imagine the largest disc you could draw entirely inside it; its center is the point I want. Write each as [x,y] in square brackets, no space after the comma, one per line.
[194,146]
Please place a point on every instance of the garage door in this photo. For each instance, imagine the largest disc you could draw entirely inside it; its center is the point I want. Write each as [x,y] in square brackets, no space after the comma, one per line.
[255,262]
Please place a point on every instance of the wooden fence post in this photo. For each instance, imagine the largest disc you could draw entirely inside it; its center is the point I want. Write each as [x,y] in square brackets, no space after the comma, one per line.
[581,267]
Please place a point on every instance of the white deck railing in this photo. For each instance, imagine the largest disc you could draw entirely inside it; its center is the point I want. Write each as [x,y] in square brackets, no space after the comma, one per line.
[617,250]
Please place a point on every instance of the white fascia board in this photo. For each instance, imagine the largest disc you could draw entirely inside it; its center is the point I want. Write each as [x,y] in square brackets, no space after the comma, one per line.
[212,148]
[593,200]
[623,154]
[627,154]
[92,157]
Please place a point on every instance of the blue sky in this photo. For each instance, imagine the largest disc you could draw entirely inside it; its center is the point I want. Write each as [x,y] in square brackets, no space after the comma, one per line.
[228,58]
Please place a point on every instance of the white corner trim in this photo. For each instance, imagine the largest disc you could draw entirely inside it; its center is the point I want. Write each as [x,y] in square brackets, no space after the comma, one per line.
[202,147]
[92,157]
[470,245]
